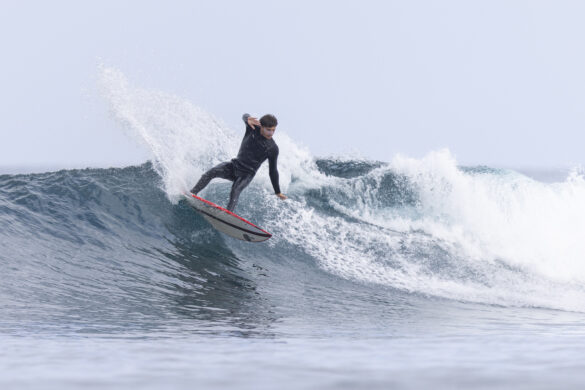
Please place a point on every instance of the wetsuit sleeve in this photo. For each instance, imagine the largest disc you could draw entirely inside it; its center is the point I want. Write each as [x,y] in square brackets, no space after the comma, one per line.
[245,119]
[273,171]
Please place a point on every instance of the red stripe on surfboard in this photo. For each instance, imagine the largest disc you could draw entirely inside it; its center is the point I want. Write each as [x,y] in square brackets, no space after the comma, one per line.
[227,211]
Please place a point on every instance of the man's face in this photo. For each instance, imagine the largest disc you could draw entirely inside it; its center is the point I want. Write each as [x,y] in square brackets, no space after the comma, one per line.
[267,132]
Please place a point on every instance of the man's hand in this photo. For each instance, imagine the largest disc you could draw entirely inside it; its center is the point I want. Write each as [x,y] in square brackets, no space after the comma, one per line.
[281,196]
[253,122]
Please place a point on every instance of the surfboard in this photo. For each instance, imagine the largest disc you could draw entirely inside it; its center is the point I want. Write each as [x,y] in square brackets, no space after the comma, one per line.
[227,222]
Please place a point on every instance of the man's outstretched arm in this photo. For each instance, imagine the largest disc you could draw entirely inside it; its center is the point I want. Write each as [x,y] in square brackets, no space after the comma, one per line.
[273,172]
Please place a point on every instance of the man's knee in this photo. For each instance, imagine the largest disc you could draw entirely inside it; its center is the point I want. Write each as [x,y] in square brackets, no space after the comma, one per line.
[209,174]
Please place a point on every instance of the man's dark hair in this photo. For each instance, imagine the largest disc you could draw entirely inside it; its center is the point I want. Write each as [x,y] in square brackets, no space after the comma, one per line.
[268,120]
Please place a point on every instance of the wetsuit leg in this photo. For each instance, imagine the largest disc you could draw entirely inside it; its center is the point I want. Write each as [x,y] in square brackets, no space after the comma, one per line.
[240,183]
[224,170]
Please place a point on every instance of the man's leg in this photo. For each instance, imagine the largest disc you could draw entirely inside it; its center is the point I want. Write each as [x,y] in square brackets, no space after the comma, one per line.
[224,170]
[240,183]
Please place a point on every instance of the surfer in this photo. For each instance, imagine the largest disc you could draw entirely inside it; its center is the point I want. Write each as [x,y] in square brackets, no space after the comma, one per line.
[256,147]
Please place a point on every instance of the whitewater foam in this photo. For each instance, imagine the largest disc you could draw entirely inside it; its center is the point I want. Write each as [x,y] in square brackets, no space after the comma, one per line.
[493,237]
[503,215]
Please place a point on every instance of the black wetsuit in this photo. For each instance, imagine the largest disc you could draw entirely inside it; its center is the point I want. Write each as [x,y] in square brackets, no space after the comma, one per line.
[254,150]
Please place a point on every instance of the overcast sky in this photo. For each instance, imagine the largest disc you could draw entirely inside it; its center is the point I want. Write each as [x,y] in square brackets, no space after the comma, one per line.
[497,82]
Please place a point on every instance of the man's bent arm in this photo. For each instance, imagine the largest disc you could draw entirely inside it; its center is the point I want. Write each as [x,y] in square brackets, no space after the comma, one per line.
[255,125]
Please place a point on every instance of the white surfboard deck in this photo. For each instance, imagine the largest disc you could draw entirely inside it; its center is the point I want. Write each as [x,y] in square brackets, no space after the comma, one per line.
[227,222]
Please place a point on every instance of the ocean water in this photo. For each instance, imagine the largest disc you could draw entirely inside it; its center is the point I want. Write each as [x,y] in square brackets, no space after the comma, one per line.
[404,274]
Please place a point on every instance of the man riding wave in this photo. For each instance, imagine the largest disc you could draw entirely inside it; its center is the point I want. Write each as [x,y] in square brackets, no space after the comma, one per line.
[257,146]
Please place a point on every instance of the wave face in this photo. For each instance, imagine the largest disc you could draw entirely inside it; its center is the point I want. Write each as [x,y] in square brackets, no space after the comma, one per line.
[105,246]
[118,247]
